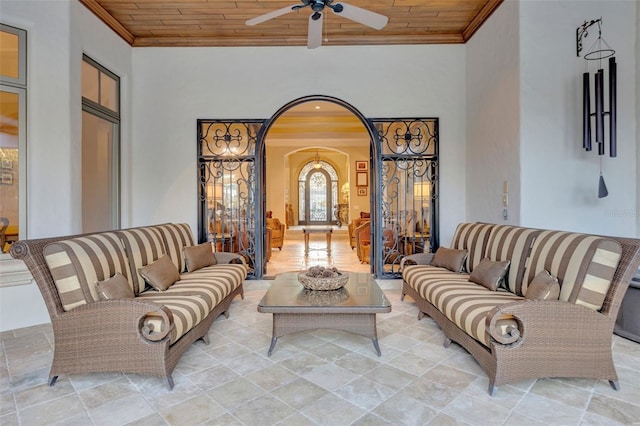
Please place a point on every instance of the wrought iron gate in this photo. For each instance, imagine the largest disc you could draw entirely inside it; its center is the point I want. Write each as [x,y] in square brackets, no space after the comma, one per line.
[407,206]
[404,206]
[227,187]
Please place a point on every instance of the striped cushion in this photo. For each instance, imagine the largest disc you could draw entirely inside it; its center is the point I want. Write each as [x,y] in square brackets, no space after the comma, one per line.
[77,264]
[584,265]
[187,311]
[143,246]
[212,283]
[472,237]
[512,243]
[176,236]
[464,303]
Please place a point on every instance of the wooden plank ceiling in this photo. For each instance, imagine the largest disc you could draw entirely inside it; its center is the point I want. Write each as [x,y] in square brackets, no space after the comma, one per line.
[222,22]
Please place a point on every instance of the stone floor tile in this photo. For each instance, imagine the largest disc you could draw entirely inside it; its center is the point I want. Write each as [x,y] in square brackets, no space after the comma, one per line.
[81,382]
[10,419]
[107,392]
[329,376]
[248,363]
[153,419]
[296,419]
[364,393]
[413,364]
[303,363]
[235,393]
[405,410]
[271,377]
[121,411]
[628,392]
[561,392]
[370,419]
[192,411]
[357,363]
[331,410]
[390,376]
[160,395]
[42,393]
[52,411]
[614,409]
[506,396]
[547,410]
[451,377]
[443,419]
[299,393]
[476,411]
[265,409]
[330,352]
[516,419]
[428,392]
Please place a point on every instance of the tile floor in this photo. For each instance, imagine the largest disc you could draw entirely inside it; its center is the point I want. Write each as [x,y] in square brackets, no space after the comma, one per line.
[322,377]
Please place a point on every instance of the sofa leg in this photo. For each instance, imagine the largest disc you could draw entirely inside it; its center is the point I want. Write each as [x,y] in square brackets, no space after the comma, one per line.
[402,297]
[492,389]
[615,385]
[170,382]
[421,315]
[226,314]
[205,339]
[52,380]
[447,342]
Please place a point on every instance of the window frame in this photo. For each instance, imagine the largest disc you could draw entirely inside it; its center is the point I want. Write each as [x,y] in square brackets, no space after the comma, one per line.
[102,112]
[15,272]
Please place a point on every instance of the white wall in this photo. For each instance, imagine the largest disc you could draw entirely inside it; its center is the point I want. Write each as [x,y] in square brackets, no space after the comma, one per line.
[175,86]
[559,180]
[637,49]
[524,106]
[493,117]
[57,34]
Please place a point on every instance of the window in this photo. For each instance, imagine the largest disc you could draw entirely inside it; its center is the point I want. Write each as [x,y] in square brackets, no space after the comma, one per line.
[100,147]
[13,96]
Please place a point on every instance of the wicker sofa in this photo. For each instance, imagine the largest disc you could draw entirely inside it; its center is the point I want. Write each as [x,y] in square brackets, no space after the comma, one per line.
[146,332]
[513,337]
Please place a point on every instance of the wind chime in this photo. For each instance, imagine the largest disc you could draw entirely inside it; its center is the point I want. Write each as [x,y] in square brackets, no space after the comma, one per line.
[598,53]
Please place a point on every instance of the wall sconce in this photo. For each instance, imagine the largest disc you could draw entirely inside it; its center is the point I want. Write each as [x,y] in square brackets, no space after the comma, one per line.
[598,53]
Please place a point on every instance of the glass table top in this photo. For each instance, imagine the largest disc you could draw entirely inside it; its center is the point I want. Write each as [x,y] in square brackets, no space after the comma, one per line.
[360,292]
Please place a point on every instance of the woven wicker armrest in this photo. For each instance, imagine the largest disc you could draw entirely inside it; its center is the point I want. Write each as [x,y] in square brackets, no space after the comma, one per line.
[226,257]
[547,322]
[123,316]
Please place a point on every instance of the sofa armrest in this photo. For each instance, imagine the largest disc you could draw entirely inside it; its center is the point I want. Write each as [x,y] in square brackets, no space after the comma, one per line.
[417,259]
[548,323]
[227,257]
[122,317]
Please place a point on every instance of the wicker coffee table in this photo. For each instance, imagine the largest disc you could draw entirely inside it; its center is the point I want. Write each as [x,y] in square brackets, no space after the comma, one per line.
[352,308]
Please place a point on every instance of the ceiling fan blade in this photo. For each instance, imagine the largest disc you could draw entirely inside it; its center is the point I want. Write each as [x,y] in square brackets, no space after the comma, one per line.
[262,18]
[314,36]
[362,16]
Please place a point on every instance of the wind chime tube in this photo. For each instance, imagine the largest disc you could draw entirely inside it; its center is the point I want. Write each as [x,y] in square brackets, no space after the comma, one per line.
[599,111]
[613,148]
[586,112]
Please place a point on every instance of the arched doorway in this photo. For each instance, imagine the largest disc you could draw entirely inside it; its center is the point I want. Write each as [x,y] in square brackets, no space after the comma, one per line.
[317,193]
[317,203]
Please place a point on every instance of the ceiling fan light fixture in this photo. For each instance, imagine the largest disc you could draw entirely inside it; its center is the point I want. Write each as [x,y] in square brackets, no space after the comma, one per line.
[314,32]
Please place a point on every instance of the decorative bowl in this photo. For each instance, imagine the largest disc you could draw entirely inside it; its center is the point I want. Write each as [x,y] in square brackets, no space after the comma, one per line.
[322,283]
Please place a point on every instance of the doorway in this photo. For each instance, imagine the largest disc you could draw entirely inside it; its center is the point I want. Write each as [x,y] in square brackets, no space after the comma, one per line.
[318,190]
[400,169]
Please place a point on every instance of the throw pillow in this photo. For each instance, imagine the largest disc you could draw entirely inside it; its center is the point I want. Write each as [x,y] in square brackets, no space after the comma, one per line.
[196,257]
[490,273]
[450,259]
[160,274]
[544,286]
[116,287]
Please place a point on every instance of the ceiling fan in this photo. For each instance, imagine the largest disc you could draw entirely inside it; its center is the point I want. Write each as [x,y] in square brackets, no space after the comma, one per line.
[314,35]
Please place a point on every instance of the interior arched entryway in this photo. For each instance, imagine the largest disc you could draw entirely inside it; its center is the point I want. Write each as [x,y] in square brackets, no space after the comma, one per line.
[310,147]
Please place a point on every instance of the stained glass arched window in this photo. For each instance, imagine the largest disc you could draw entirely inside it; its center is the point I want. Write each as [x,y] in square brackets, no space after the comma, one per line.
[317,193]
